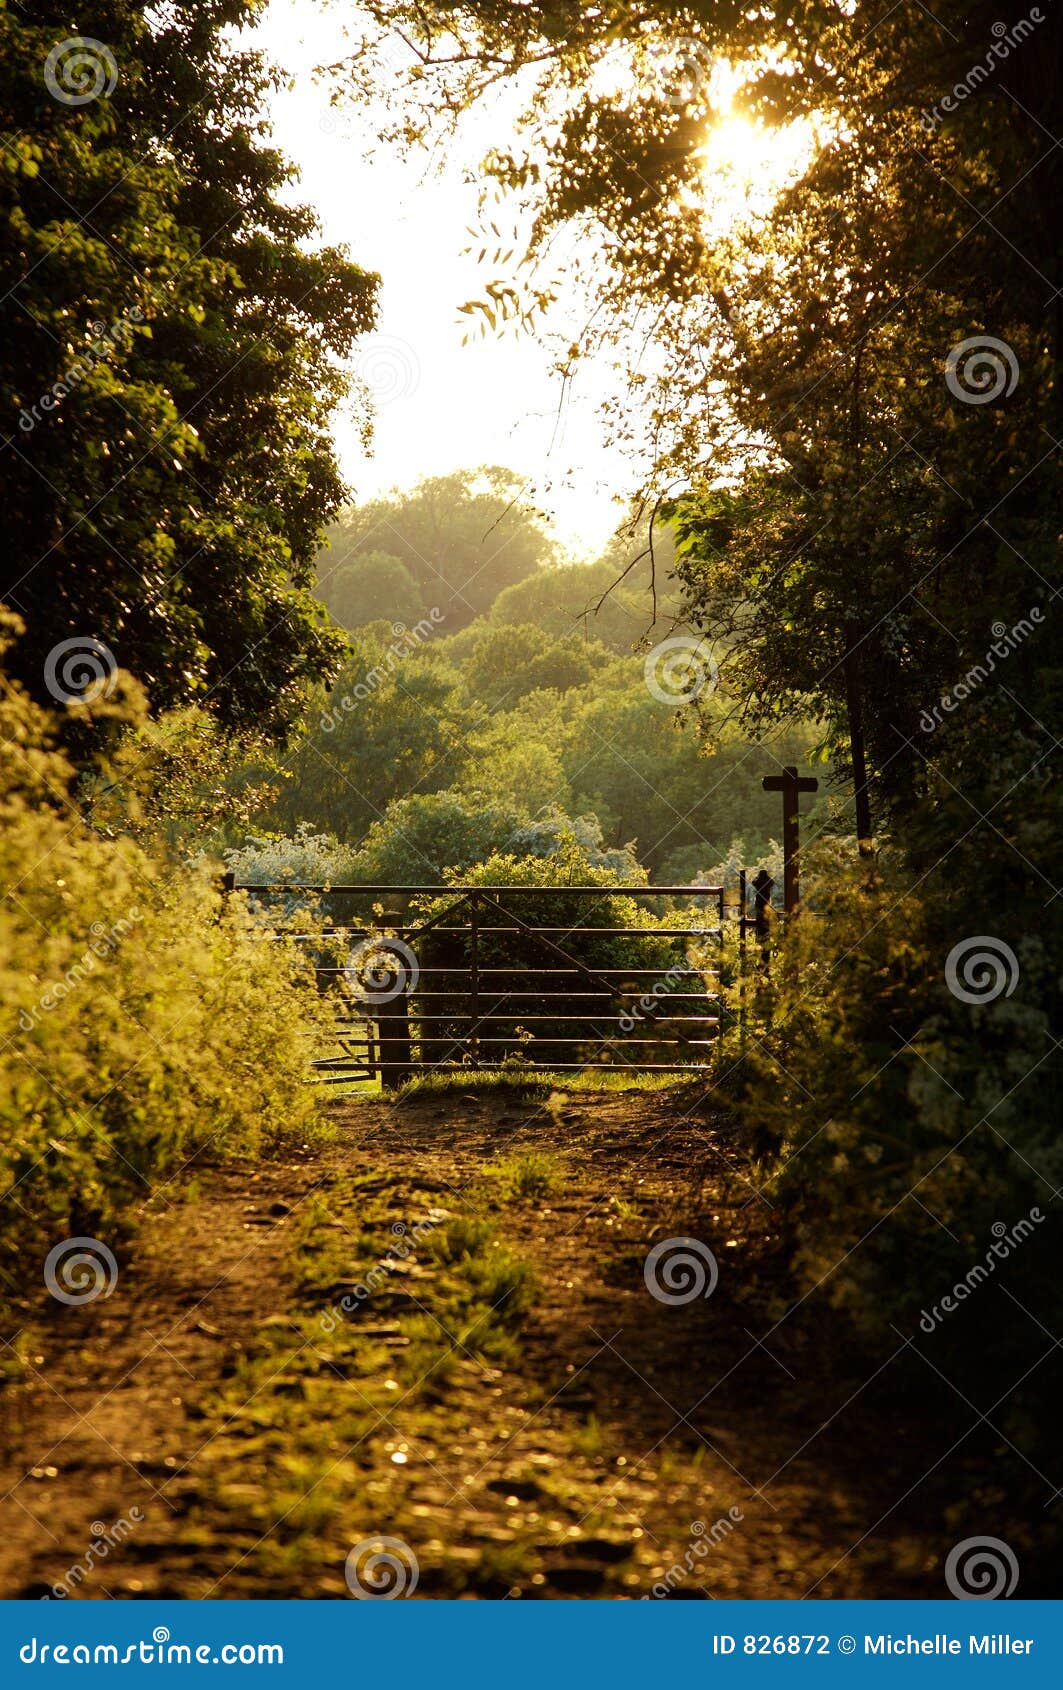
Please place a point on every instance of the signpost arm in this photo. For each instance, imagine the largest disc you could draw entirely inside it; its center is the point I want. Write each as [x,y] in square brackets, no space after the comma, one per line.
[791,785]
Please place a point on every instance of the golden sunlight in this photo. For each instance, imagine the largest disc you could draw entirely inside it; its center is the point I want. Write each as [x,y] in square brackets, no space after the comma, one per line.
[748,163]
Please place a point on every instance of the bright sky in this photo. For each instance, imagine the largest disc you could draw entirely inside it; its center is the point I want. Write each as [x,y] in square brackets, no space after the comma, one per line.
[441,405]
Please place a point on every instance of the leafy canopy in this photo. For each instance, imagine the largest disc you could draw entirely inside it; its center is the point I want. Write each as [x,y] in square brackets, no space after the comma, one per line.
[173,354]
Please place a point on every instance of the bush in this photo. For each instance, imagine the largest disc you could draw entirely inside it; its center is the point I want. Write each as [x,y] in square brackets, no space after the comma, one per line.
[146,1018]
[875,1102]
[303,858]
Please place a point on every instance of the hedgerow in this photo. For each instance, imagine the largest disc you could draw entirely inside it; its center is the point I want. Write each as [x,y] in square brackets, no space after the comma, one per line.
[145,1017]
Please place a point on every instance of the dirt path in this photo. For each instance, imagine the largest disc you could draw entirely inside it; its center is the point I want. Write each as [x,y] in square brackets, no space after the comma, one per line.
[438,1330]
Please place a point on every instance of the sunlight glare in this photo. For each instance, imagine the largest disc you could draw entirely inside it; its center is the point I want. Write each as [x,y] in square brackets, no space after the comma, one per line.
[746,163]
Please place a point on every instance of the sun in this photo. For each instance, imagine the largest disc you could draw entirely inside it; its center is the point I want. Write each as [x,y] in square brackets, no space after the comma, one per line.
[745,163]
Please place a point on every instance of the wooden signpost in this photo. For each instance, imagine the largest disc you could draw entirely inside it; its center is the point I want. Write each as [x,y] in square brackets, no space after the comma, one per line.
[791,785]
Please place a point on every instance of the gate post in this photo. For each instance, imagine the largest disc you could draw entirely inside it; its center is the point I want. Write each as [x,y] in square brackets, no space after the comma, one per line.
[743,984]
[393,1039]
[763,886]
[474,980]
[393,1021]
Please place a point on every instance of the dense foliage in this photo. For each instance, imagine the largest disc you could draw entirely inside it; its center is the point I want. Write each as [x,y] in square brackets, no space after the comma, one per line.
[427,751]
[170,362]
[557,1023]
[144,1020]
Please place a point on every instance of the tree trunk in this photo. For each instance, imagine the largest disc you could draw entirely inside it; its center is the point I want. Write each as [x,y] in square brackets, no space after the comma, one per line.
[858,752]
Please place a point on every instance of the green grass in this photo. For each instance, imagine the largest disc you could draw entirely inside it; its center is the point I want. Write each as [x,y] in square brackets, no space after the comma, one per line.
[477,1079]
[589,1439]
[463,1237]
[621,1079]
[525,1177]
[625,1210]
[533,1083]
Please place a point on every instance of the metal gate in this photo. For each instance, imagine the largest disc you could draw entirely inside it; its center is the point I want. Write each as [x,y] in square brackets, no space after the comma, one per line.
[437,979]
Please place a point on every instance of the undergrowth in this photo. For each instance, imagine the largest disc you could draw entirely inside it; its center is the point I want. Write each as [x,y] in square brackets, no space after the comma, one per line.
[147,1020]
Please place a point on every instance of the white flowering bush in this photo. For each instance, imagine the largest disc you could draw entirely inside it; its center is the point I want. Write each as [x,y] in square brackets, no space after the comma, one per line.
[314,859]
[725,872]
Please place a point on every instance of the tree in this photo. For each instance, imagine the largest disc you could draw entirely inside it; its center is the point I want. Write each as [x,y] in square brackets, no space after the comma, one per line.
[561,1029]
[171,361]
[625,599]
[438,834]
[514,759]
[463,538]
[370,586]
[802,352]
[626,759]
[421,839]
[582,599]
[393,725]
[507,662]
